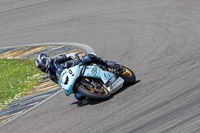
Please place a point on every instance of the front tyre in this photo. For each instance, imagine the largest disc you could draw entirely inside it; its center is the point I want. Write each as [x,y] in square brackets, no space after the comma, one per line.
[97,92]
[128,76]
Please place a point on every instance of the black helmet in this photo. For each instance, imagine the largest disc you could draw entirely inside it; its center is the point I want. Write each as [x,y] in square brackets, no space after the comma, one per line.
[43,62]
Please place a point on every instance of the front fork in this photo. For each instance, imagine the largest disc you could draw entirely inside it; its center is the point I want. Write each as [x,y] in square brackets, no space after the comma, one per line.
[92,86]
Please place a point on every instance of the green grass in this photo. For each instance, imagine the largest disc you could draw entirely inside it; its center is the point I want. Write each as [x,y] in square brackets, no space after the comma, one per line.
[16,78]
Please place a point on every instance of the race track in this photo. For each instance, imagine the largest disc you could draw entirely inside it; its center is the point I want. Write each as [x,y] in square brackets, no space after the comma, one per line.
[158,39]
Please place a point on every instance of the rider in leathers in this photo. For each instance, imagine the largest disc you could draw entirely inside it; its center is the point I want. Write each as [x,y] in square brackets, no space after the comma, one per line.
[48,65]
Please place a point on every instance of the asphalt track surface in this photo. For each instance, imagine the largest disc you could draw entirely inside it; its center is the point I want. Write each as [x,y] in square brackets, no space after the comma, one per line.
[158,39]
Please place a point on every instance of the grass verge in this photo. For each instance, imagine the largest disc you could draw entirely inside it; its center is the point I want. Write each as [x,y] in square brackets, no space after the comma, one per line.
[16,78]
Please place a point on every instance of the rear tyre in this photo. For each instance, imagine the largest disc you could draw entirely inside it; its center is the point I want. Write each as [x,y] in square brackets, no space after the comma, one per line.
[128,76]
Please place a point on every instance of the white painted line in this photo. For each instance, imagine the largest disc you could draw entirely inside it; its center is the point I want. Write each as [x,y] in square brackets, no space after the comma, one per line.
[55,48]
[84,47]
[87,49]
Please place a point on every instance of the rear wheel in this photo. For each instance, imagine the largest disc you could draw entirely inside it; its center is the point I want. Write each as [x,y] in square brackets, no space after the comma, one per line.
[128,76]
[94,89]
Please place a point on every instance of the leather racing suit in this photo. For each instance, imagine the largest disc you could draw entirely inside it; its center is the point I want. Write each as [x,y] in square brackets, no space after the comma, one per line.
[70,60]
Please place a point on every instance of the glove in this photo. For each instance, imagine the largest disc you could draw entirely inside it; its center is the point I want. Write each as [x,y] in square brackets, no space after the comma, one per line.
[76,61]
[68,64]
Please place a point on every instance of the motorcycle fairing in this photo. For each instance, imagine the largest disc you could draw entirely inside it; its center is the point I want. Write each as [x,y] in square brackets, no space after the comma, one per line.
[68,79]
[69,76]
[96,72]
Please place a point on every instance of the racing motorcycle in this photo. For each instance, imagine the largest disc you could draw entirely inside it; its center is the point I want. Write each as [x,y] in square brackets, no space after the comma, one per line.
[94,81]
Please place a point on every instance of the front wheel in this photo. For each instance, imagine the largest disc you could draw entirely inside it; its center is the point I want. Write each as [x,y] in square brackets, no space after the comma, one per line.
[93,89]
[128,76]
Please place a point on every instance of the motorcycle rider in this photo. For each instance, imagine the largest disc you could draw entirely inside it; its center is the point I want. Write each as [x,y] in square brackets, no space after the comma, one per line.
[48,65]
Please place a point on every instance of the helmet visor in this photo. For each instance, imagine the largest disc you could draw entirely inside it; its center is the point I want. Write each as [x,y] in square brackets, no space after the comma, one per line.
[42,68]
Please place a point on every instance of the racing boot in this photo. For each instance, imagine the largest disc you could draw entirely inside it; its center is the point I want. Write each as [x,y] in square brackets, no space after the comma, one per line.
[109,64]
[92,58]
[118,67]
[114,66]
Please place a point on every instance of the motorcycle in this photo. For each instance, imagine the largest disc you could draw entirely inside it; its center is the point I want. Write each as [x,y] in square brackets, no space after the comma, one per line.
[94,81]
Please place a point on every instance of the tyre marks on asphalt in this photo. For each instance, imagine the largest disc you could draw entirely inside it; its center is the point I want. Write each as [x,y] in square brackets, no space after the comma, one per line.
[39,92]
